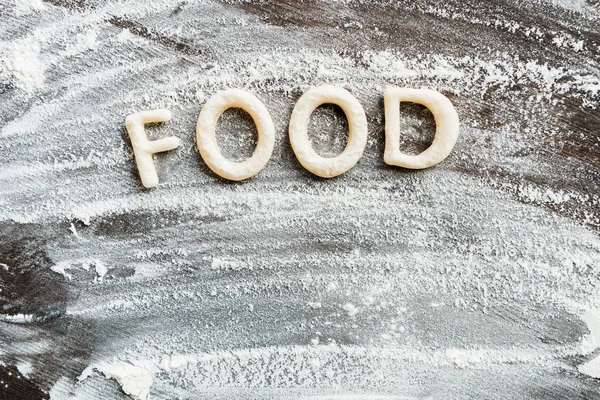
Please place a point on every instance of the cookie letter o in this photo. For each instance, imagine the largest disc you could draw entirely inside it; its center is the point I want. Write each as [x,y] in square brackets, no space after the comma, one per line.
[207,142]
[357,123]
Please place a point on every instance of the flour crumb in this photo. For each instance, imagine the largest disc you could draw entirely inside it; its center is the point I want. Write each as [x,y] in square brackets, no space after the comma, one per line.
[25,368]
[23,64]
[124,35]
[101,269]
[73,230]
[350,309]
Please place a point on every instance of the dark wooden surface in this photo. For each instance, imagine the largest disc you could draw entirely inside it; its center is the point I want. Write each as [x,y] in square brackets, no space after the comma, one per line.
[476,279]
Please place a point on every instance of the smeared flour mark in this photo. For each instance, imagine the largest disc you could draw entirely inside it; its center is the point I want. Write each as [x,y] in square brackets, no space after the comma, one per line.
[124,35]
[25,368]
[288,366]
[135,377]
[17,318]
[85,263]
[590,343]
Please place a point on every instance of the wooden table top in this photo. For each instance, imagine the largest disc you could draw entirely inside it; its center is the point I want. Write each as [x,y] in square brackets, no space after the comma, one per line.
[475,279]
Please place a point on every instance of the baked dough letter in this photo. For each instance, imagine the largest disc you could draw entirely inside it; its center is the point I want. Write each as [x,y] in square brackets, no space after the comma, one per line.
[446,132]
[143,149]
[357,123]
[207,142]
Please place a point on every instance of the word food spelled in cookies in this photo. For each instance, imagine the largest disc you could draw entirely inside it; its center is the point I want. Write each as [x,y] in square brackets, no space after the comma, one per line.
[446,134]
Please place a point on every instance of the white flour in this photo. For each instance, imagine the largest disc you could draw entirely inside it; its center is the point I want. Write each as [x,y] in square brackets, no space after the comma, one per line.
[292,287]
[25,7]
[22,62]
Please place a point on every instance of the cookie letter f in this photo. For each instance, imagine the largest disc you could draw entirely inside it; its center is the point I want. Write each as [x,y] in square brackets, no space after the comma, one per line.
[143,149]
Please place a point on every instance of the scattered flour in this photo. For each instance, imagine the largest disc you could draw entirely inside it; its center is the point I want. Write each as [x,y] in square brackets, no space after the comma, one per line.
[350,309]
[496,250]
[124,35]
[85,263]
[25,368]
[462,358]
[83,42]
[227,264]
[21,60]
[25,7]
[293,365]
[17,318]
[590,343]
[135,377]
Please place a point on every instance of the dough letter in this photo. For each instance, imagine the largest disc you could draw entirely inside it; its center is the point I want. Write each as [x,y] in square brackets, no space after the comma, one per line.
[207,142]
[143,149]
[446,132]
[357,122]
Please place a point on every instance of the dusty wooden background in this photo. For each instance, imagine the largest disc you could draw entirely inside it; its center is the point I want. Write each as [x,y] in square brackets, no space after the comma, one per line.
[476,279]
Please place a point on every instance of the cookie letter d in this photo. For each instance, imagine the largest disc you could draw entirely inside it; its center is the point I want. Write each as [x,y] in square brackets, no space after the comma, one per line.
[446,131]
